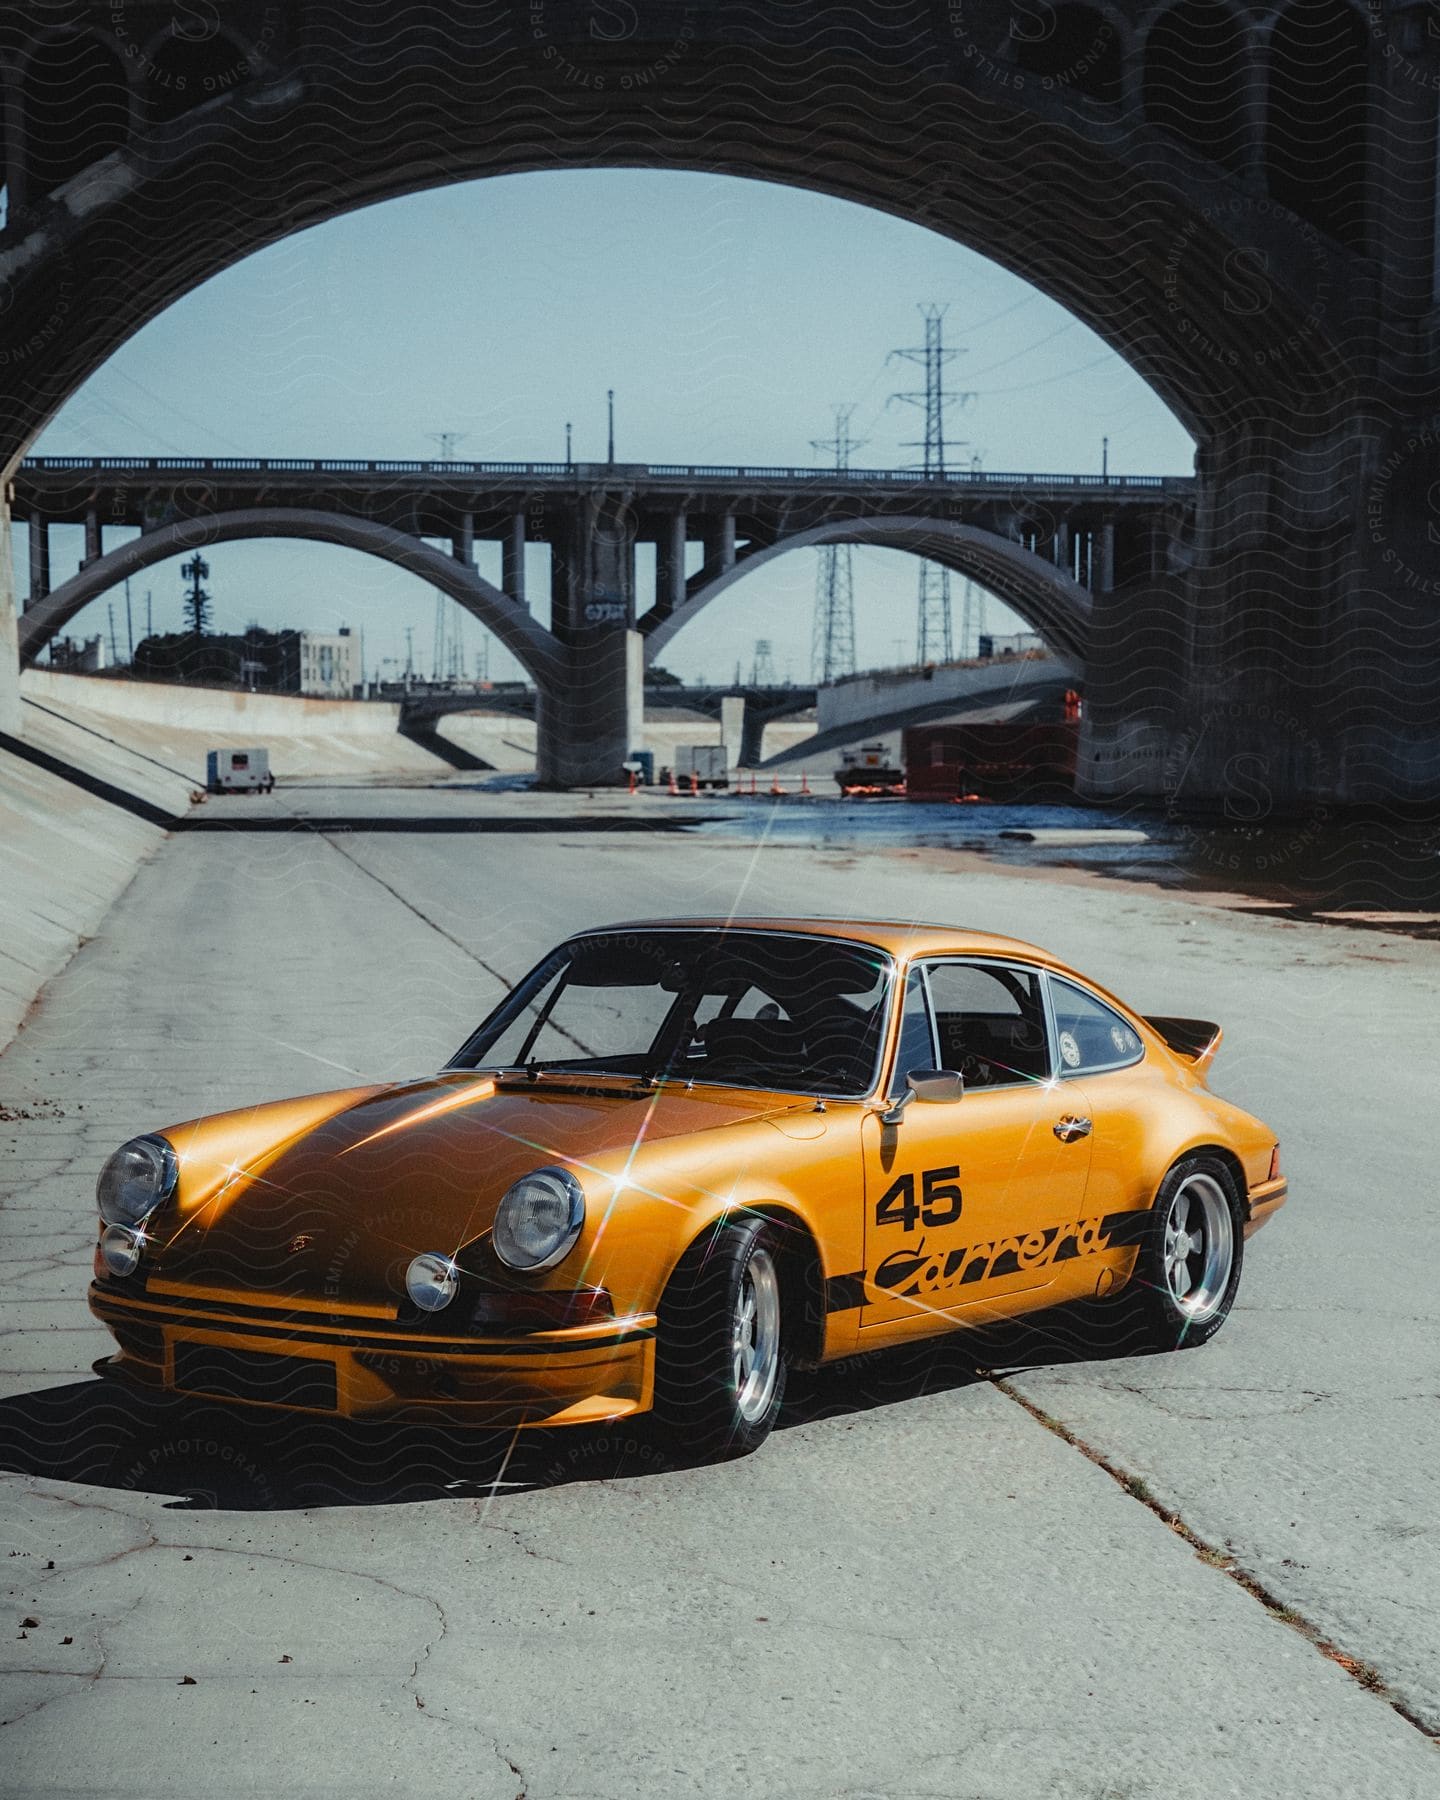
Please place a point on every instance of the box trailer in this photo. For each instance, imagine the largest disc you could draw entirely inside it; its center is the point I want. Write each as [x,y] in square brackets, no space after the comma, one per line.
[1008,759]
[702,765]
[238,772]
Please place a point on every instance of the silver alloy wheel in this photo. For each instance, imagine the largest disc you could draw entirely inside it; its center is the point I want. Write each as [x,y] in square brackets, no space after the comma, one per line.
[757,1337]
[1199,1246]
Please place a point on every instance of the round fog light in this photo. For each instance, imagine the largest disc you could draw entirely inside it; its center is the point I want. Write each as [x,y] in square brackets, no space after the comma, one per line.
[432,1281]
[120,1248]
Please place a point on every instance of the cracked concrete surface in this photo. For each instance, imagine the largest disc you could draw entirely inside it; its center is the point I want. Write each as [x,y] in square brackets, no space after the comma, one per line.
[915,1589]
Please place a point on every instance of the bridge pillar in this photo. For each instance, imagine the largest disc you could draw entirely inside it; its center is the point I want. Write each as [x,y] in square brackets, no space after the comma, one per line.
[463,546]
[1102,576]
[1295,663]
[589,719]
[732,728]
[670,563]
[512,558]
[9,638]
[93,549]
[39,555]
[719,543]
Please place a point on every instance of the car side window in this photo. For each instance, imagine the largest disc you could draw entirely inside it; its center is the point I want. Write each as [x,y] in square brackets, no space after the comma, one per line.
[990,1019]
[916,1048]
[1090,1036]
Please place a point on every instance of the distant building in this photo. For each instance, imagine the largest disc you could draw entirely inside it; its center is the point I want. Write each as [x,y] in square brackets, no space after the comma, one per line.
[330,663]
[88,658]
[271,662]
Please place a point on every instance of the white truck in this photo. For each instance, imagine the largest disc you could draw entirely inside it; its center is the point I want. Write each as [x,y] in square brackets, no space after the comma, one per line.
[238,772]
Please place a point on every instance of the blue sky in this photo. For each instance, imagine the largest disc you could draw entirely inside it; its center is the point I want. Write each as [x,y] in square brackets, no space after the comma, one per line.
[730,317]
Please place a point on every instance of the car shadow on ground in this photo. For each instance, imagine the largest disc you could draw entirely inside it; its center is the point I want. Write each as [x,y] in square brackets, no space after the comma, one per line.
[209,1455]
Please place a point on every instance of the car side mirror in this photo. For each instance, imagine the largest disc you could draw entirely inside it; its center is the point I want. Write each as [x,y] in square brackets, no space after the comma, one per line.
[928,1085]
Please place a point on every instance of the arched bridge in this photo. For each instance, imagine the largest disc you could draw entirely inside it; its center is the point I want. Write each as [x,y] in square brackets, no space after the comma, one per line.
[1044,543]
[1239,198]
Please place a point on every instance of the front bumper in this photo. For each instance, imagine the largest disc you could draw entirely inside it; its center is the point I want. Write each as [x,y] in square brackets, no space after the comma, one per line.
[260,1356]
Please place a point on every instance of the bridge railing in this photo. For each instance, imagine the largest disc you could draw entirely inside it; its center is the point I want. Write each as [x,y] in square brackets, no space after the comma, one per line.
[727,473]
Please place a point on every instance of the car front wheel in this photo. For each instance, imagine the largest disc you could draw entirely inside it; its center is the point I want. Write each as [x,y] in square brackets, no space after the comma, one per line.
[1188,1270]
[720,1360]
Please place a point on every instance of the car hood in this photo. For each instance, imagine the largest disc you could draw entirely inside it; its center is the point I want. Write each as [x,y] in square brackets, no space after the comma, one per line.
[332,1202]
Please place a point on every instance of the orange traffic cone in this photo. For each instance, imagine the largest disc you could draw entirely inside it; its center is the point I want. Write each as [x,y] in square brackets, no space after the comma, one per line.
[804,782]
[673,788]
[775,787]
[694,785]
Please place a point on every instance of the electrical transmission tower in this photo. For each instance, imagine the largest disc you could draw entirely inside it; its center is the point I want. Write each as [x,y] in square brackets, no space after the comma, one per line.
[832,639]
[445,657]
[762,670]
[934,635]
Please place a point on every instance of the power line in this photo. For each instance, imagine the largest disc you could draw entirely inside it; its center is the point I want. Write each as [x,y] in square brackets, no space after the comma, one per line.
[1021,387]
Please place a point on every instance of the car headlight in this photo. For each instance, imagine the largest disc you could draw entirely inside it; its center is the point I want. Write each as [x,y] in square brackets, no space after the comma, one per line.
[136,1179]
[539,1219]
[431,1281]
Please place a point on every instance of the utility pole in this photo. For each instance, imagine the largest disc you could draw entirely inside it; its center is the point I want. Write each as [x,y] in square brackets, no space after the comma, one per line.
[610,442]
[197,601]
[129,625]
[569,459]
[114,650]
[149,616]
[832,638]
[447,440]
[933,633]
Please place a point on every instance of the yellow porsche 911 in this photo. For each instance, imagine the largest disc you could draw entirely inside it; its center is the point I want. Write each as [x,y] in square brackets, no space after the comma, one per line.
[681,1157]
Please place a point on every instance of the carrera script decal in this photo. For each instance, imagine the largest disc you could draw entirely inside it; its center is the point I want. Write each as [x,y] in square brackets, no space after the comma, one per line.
[914,1270]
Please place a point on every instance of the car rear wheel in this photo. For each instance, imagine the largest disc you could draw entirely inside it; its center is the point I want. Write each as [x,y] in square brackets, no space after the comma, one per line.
[720,1360]
[1188,1270]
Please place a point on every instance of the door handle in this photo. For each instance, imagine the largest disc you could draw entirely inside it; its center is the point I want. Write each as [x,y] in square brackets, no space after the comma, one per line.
[1069,1128]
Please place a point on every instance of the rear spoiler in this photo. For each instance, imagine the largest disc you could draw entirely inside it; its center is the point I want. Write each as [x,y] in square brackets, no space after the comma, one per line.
[1196,1040]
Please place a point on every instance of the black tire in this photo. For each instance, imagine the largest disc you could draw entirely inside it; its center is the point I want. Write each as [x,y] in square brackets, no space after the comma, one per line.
[1175,1301]
[704,1396]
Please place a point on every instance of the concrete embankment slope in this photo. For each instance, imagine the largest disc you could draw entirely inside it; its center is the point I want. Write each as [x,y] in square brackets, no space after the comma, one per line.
[65,855]
[105,766]
[177,725]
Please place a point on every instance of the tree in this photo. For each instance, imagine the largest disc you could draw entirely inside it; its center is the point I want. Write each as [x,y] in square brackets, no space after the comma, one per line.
[197,601]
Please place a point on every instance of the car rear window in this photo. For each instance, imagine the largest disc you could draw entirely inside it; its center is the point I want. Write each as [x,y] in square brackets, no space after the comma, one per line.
[1091,1036]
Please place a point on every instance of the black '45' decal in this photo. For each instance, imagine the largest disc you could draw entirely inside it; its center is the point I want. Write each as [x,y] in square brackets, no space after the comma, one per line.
[939,1204]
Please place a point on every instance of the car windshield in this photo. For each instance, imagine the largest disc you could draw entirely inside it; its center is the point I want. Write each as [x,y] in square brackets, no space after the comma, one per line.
[739,1008]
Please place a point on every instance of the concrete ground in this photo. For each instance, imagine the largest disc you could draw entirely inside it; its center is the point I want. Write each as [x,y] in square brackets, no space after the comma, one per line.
[1205,1574]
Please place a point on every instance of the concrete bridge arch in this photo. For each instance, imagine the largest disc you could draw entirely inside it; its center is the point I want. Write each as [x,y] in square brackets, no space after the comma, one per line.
[1281,307]
[530,644]
[944,125]
[1050,601]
